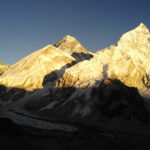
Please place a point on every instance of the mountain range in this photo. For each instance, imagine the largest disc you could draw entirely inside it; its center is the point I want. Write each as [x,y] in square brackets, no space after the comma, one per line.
[64,85]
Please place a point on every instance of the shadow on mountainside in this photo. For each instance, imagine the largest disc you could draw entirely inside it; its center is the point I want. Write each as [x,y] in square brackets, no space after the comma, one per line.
[111,100]
[56,74]
[9,94]
[82,56]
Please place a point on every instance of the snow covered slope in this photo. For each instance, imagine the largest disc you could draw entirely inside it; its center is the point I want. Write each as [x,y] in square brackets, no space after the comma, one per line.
[29,72]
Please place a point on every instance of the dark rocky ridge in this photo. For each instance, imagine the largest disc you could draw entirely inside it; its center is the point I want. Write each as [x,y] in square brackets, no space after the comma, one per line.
[112,100]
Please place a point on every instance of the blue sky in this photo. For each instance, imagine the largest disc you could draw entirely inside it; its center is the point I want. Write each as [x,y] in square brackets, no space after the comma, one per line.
[28,25]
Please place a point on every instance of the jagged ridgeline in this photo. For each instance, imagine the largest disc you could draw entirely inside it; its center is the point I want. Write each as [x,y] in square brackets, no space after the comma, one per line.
[65,81]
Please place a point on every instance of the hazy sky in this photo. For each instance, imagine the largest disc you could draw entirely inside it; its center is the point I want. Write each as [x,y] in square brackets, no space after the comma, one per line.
[28,25]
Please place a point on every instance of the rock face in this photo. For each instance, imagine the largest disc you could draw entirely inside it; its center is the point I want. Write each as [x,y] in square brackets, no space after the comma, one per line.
[65,82]
[3,68]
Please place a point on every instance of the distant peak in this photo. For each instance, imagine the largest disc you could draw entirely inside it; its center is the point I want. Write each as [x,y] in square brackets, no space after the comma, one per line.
[65,40]
[70,45]
[69,38]
[141,24]
[142,27]
[137,35]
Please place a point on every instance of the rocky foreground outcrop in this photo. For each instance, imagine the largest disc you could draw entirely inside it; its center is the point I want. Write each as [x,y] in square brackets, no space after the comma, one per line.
[64,82]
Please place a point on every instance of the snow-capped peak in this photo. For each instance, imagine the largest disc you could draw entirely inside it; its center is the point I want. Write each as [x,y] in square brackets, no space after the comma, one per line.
[69,38]
[142,28]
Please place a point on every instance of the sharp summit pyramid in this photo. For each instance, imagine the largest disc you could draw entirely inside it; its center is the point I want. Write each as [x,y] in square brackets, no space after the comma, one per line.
[73,47]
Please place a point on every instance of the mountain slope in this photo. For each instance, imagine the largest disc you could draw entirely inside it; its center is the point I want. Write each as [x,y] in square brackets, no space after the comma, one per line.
[3,68]
[33,71]
[30,71]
